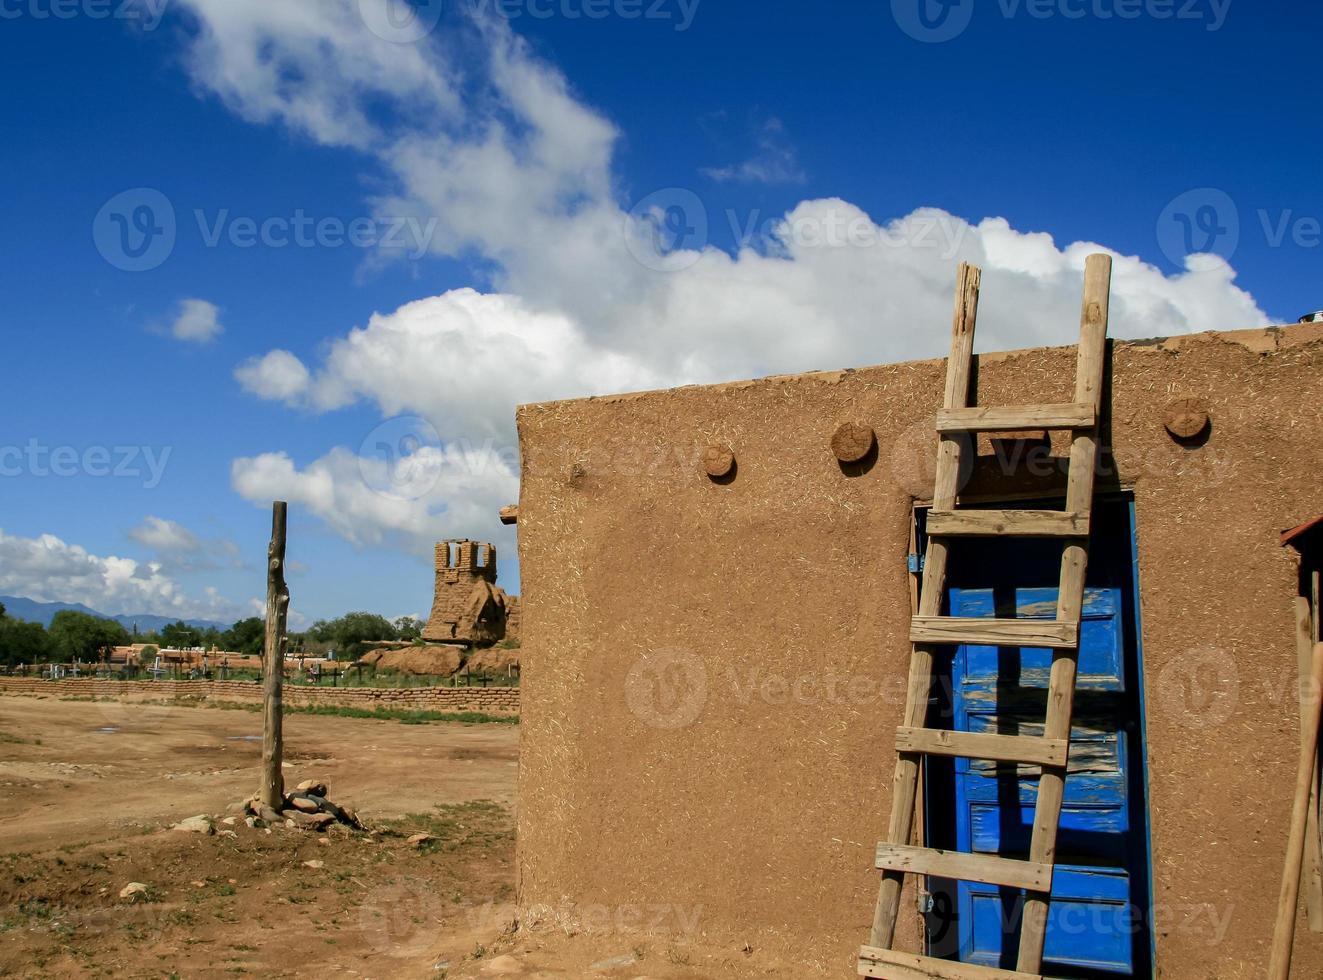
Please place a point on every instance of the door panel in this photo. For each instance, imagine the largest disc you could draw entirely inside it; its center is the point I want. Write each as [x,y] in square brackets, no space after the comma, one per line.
[1100,892]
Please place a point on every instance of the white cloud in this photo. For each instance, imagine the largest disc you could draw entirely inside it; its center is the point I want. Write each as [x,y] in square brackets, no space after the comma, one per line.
[774,162]
[454,358]
[48,569]
[177,549]
[446,492]
[198,322]
[519,174]
[269,62]
[277,375]
[166,536]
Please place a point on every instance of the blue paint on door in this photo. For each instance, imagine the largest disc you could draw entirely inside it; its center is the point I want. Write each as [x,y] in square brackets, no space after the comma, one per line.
[1099,909]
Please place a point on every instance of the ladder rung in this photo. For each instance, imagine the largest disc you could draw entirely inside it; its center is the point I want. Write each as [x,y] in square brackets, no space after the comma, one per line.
[994,632]
[989,869]
[888,964]
[1016,523]
[1030,750]
[1012,418]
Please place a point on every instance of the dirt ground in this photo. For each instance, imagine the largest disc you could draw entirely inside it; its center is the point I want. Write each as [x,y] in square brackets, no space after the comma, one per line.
[89,790]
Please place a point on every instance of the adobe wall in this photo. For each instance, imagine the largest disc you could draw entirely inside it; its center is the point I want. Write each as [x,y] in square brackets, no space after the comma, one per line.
[486,699]
[713,673]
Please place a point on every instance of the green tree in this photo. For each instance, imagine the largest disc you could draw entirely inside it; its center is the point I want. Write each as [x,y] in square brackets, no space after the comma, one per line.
[180,636]
[245,636]
[76,635]
[408,628]
[23,643]
[351,631]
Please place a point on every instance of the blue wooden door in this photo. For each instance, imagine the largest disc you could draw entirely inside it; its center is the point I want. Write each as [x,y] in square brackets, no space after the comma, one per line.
[1098,914]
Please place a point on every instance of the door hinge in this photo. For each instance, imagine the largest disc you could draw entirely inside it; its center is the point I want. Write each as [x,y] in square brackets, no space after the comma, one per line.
[915,563]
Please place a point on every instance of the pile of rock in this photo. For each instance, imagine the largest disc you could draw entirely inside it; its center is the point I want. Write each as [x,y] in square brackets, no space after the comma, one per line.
[307,807]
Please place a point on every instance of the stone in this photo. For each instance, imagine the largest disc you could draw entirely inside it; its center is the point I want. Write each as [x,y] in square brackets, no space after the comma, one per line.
[133,891]
[196,825]
[226,833]
[314,864]
[313,787]
[269,815]
[418,840]
[297,818]
[250,822]
[230,821]
[305,804]
[503,965]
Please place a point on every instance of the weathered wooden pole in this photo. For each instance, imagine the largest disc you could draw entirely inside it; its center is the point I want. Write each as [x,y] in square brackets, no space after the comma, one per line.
[273,662]
[1279,964]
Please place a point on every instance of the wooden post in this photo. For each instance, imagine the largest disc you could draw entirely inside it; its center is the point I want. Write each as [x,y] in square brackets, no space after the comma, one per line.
[1312,875]
[277,608]
[1279,967]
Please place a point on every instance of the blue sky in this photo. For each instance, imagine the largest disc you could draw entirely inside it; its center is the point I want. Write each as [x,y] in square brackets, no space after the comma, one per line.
[571,181]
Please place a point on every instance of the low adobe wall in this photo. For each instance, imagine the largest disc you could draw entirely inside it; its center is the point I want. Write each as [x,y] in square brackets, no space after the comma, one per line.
[716,670]
[487,699]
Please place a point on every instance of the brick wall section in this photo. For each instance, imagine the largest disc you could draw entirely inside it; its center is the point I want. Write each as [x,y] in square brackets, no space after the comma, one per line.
[493,700]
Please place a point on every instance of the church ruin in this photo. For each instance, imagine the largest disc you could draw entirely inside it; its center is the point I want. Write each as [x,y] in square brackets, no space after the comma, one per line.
[469,608]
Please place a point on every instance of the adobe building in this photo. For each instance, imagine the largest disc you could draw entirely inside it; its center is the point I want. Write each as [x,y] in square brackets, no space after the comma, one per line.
[468,607]
[718,615]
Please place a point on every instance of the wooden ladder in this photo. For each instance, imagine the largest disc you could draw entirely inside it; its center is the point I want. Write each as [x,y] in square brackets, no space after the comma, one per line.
[957,426]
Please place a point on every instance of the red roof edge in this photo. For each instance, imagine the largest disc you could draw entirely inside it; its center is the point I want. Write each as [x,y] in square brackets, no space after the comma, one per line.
[1291,536]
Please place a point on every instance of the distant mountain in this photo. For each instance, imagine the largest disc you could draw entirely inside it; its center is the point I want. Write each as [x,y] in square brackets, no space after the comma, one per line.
[31,611]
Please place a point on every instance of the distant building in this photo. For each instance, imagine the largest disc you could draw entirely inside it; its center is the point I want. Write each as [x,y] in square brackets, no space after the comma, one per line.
[468,608]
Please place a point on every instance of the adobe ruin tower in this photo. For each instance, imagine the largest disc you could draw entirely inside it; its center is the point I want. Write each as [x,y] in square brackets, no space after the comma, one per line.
[468,607]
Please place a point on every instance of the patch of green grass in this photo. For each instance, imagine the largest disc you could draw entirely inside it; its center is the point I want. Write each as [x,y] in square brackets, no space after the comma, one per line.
[404,716]
[477,824]
[7,739]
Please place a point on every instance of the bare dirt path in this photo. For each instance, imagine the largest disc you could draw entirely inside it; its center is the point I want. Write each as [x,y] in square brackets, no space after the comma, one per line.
[89,790]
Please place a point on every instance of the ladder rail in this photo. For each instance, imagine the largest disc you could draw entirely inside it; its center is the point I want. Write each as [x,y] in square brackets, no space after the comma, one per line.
[1070,600]
[905,783]
[931,630]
